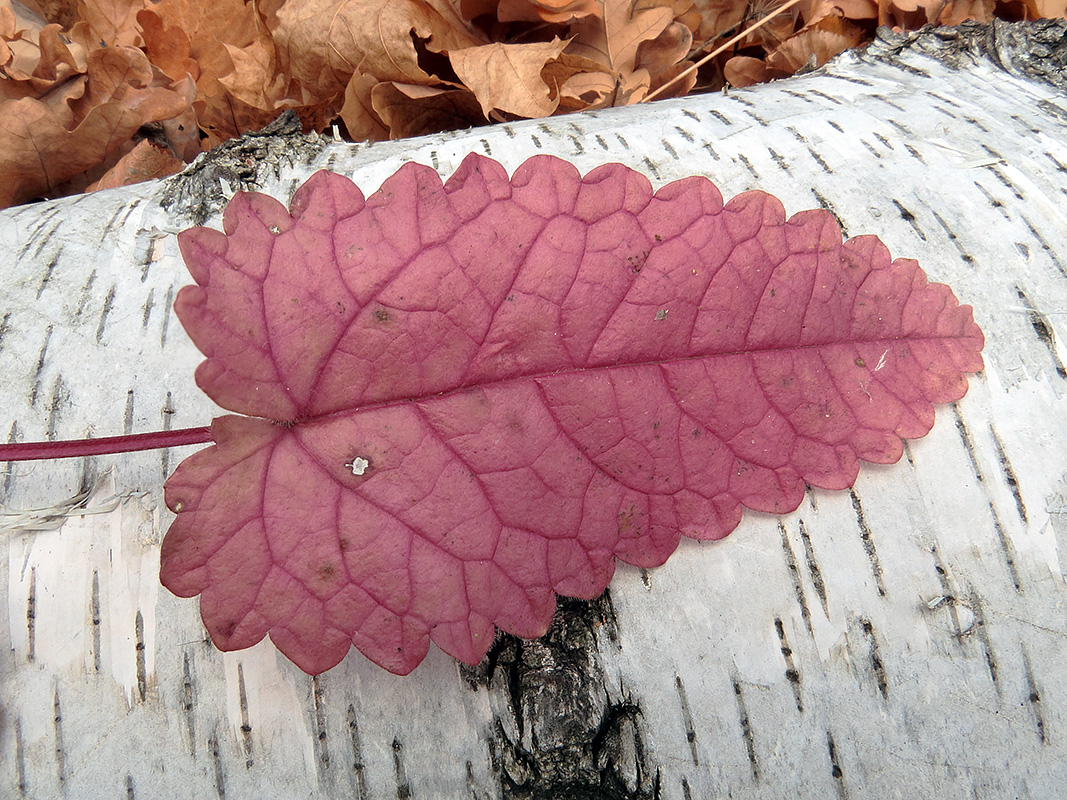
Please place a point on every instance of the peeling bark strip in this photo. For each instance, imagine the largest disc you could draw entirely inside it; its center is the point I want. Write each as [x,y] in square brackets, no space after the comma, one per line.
[564,735]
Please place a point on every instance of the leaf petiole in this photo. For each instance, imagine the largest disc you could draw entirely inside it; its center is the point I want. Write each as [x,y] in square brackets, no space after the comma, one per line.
[75,448]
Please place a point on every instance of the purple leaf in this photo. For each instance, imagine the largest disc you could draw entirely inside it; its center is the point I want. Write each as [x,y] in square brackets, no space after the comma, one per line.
[463,400]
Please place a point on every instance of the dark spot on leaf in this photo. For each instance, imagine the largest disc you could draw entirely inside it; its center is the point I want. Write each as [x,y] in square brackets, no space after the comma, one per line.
[382,315]
[327,571]
[860,362]
[344,543]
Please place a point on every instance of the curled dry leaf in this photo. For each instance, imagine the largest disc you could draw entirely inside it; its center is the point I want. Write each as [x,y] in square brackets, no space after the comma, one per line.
[417,110]
[465,399]
[144,162]
[507,77]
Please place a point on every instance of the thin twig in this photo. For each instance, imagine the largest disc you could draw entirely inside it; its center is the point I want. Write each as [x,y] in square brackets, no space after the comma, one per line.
[721,48]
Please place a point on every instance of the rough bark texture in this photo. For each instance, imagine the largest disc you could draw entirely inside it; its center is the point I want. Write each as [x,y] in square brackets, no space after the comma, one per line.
[904,637]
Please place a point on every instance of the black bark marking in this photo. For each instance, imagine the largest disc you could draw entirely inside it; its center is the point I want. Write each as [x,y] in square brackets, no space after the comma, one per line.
[825,96]
[746,730]
[670,150]
[1009,474]
[819,160]
[946,112]
[759,120]
[867,537]
[216,761]
[1049,251]
[781,162]
[884,140]
[168,303]
[5,328]
[685,134]
[900,128]
[42,356]
[48,271]
[559,730]
[1044,330]
[711,150]
[130,795]
[56,402]
[687,793]
[622,141]
[94,619]
[86,293]
[600,141]
[579,148]
[889,103]
[105,311]
[146,311]
[60,751]
[909,218]
[246,726]
[871,148]
[850,79]
[792,674]
[687,113]
[1059,166]
[646,578]
[20,760]
[748,165]
[813,569]
[982,631]
[875,656]
[1006,547]
[107,227]
[127,414]
[794,573]
[435,162]
[943,99]
[915,153]
[739,99]
[720,117]
[835,126]
[967,258]
[403,787]
[822,201]
[31,617]
[651,168]
[1034,699]
[999,206]
[509,131]
[836,772]
[486,147]
[358,768]
[687,719]
[948,596]
[142,676]
[322,748]
[536,141]
[907,453]
[1000,176]
[189,705]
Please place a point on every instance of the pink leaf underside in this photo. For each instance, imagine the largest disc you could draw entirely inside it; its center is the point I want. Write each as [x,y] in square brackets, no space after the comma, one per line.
[465,399]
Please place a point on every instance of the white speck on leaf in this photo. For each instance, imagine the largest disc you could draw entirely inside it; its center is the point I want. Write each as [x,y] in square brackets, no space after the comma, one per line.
[358,465]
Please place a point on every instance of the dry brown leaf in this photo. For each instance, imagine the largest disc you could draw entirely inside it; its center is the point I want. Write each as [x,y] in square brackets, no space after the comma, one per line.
[850,9]
[413,110]
[507,77]
[707,19]
[323,43]
[39,152]
[741,71]
[1046,9]
[959,10]
[358,113]
[827,38]
[545,10]
[145,162]
[613,39]
[106,23]
[661,57]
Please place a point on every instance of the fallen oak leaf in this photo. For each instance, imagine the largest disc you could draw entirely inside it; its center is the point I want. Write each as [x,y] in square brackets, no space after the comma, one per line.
[466,399]
[508,77]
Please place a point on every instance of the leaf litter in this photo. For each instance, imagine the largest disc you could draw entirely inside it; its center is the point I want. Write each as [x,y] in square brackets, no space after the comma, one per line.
[430,442]
[83,83]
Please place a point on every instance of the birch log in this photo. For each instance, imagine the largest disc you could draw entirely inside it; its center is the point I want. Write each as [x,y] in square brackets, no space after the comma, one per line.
[902,639]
